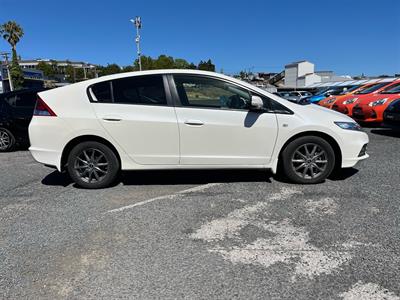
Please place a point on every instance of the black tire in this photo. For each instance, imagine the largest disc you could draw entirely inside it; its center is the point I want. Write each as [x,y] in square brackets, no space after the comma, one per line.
[7,140]
[83,165]
[300,165]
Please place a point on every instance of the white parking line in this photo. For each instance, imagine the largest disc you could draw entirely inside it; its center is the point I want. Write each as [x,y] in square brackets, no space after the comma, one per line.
[171,196]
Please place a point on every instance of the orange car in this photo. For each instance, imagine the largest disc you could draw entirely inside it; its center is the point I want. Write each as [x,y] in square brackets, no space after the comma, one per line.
[328,102]
[346,104]
[371,109]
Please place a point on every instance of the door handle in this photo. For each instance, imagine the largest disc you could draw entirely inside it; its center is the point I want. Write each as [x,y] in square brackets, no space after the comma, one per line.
[194,122]
[112,119]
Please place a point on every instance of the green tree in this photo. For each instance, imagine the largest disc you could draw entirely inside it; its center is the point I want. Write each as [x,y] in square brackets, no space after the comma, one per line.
[147,63]
[164,62]
[128,69]
[12,33]
[46,68]
[192,66]
[181,63]
[206,66]
[109,69]
[70,74]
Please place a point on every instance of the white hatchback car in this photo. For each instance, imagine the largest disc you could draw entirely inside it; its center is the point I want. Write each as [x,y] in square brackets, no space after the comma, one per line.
[186,119]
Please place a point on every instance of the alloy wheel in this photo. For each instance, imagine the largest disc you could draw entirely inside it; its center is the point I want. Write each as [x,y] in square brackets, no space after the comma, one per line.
[91,165]
[309,161]
[5,140]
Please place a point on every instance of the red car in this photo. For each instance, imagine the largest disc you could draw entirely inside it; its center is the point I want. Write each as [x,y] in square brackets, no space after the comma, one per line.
[345,105]
[370,109]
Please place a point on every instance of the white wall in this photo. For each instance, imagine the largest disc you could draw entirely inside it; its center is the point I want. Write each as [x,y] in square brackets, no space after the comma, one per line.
[291,76]
[305,68]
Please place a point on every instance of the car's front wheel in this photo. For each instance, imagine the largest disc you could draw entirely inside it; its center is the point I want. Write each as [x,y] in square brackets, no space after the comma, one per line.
[308,159]
[7,140]
[93,165]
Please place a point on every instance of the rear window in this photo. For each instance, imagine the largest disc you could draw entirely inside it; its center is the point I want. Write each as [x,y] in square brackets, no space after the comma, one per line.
[144,90]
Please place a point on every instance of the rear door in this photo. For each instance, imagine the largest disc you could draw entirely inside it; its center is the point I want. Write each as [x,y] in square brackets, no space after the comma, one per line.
[216,126]
[135,111]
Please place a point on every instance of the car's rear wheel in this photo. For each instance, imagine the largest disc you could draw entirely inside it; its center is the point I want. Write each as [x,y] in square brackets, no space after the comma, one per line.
[7,140]
[308,159]
[93,165]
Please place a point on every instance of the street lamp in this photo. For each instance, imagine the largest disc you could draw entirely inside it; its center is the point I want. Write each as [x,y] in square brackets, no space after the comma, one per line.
[137,22]
[5,55]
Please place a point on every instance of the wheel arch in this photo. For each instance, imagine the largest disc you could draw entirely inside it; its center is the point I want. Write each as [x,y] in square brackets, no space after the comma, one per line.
[85,138]
[323,135]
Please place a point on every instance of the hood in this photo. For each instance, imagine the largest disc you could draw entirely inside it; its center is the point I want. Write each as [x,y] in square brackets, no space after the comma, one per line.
[376,97]
[325,113]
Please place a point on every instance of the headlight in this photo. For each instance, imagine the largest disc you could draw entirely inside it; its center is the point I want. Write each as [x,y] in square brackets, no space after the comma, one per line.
[350,101]
[330,101]
[349,125]
[378,102]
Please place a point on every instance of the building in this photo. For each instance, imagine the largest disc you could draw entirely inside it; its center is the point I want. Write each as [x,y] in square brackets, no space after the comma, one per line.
[32,78]
[302,74]
[61,65]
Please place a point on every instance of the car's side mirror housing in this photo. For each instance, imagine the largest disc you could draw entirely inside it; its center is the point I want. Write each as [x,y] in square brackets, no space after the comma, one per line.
[257,104]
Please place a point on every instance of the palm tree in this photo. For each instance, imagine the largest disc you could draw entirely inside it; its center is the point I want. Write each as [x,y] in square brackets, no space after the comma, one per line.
[12,33]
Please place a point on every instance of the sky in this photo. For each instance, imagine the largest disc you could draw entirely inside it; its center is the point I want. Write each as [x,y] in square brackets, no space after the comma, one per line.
[349,37]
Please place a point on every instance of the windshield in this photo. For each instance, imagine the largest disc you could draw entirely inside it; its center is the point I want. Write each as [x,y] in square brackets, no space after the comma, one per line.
[393,89]
[371,89]
[349,89]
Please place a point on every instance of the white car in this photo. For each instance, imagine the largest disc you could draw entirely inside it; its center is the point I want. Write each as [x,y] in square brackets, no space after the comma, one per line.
[186,119]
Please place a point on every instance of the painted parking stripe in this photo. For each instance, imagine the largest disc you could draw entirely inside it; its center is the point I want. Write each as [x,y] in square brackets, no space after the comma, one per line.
[171,196]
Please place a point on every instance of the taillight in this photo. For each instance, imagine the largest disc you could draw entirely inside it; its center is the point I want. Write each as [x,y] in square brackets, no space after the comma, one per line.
[42,109]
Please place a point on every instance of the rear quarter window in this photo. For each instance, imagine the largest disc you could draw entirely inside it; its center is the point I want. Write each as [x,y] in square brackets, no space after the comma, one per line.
[101,92]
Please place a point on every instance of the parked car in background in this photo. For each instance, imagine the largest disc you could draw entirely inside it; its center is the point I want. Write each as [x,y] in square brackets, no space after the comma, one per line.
[293,96]
[370,109]
[186,119]
[288,96]
[16,109]
[329,101]
[346,104]
[391,116]
[302,94]
[325,93]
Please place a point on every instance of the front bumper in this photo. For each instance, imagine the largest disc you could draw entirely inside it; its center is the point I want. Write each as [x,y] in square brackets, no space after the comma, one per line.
[354,148]
[365,113]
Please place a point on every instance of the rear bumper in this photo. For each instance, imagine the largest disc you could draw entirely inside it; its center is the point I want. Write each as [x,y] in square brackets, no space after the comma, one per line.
[46,157]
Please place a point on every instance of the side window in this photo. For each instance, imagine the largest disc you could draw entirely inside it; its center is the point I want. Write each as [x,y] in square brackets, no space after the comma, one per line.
[197,91]
[145,90]
[26,100]
[101,92]
[11,100]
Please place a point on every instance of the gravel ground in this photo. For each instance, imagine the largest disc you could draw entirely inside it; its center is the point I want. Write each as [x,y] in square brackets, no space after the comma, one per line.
[208,234]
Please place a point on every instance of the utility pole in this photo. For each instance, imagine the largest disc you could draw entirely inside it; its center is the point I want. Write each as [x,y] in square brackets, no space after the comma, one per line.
[137,22]
[5,55]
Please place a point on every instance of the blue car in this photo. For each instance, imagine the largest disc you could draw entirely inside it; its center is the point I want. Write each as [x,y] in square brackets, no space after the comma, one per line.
[325,93]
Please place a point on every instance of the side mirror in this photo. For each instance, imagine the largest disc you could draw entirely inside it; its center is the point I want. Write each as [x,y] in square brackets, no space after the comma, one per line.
[256,103]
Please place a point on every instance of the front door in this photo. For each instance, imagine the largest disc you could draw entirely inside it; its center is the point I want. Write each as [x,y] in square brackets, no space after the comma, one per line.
[216,126]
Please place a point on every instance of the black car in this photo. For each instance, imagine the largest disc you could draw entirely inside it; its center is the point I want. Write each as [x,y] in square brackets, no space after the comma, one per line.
[16,110]
[391,116]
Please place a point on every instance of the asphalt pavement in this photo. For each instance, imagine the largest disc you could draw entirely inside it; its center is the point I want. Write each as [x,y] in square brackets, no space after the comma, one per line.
[202,234]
